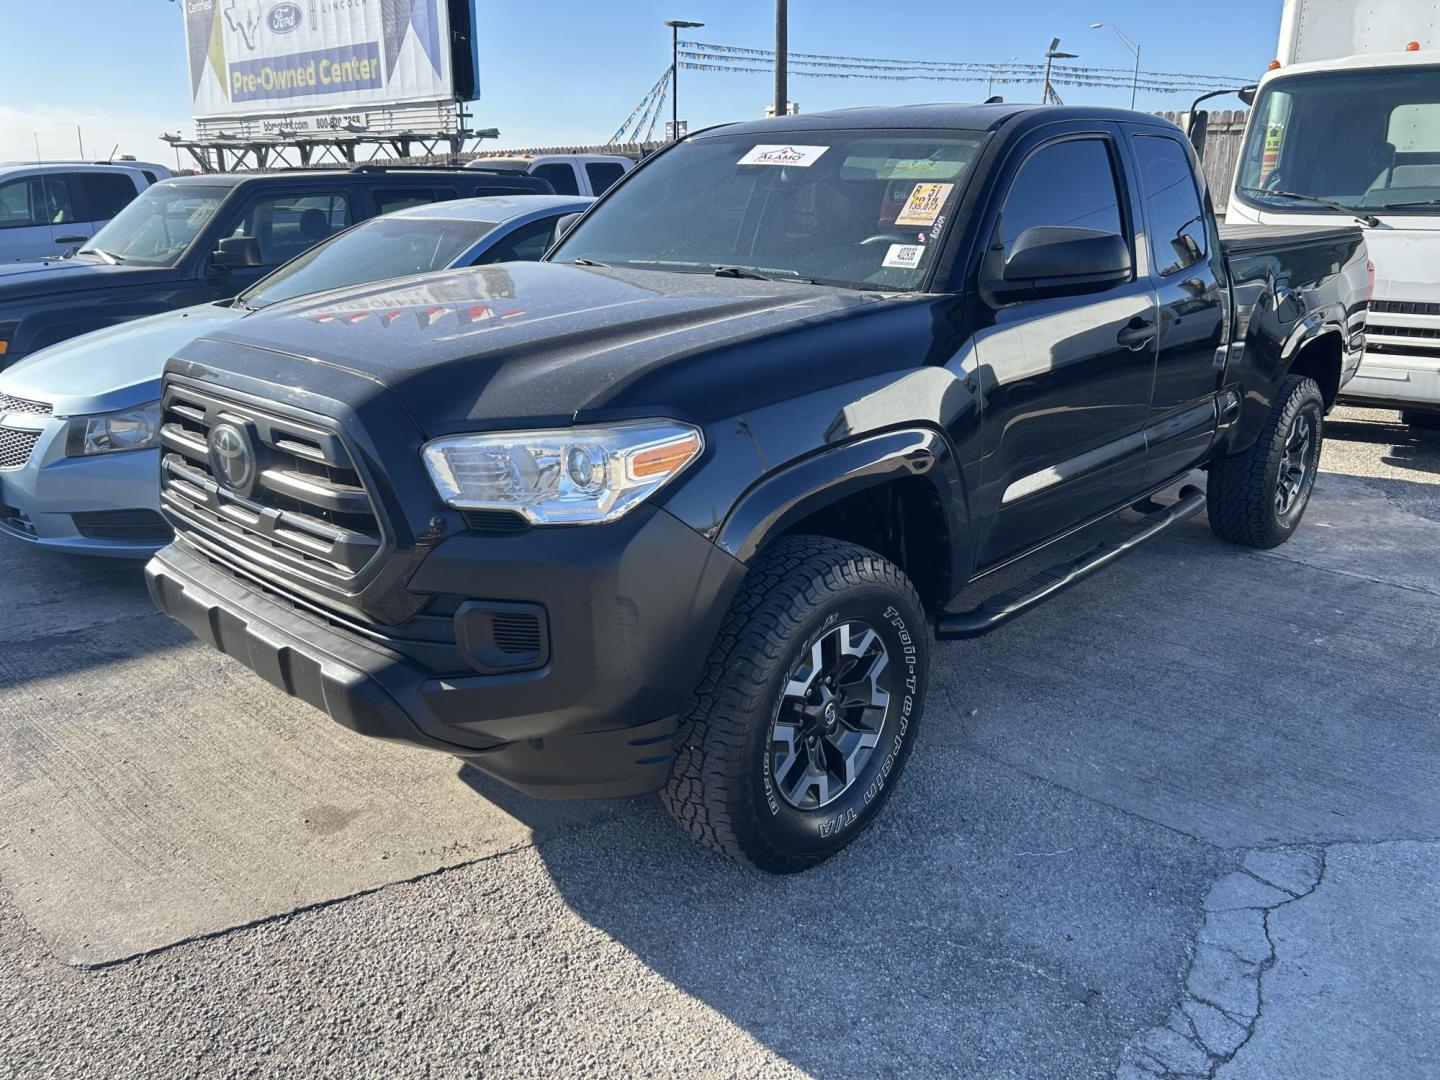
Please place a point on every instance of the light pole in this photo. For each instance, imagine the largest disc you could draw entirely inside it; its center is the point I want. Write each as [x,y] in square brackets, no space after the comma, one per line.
[1131,44]
[676,25]
[990,82]
[1051,55]
[782,58]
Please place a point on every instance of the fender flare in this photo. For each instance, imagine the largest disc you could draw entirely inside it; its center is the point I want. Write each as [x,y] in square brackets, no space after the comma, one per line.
[794,492]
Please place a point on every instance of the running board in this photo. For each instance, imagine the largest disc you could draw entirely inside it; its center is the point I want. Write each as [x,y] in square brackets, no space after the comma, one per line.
[1002,607]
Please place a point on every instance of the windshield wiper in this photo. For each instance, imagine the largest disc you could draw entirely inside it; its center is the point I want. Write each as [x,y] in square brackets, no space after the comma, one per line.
[755,275]
[1408,205]
[107,256]
[1369,220]
[588,262]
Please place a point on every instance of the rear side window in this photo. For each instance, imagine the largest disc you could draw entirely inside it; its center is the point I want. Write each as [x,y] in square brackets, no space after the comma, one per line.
[1069,184]
[16,210]
[35,200]
[525,244]
[602,174]
[388,199]
[560,175]
[1176,220]
[106,194]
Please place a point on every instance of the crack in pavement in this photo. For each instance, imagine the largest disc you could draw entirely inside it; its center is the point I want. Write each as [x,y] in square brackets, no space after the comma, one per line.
[1192,1042]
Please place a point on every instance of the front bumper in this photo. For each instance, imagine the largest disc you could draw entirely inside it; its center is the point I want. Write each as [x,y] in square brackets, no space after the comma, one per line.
[632,611]
[40,500]
[1396,381]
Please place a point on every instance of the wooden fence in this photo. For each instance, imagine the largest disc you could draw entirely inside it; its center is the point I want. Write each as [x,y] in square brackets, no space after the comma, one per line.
[1222,150]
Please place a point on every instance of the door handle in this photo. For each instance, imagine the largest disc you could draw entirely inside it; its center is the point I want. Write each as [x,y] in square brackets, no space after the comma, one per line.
[71,239]
[1136,334]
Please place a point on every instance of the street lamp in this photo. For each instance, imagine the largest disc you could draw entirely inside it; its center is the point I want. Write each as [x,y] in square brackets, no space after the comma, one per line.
[1051,55]
[1131,44]
[676,25]
[990,82]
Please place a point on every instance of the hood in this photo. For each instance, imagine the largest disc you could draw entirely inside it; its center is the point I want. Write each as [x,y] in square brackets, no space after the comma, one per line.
[531,343]
[1405,262]
[112,368]
[22,280]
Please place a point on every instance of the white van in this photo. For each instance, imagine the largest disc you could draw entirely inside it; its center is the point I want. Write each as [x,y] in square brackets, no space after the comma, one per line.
[568,174]
[47,208]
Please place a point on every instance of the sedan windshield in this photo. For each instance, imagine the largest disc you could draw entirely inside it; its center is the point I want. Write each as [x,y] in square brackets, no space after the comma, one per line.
[382,248]
[158,225]
[1385,122]
[861,209]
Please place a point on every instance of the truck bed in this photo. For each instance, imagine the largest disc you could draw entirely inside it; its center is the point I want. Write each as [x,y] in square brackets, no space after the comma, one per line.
[1258,239]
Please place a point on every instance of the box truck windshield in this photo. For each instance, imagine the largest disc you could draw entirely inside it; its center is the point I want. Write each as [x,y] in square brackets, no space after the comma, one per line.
[1366,138]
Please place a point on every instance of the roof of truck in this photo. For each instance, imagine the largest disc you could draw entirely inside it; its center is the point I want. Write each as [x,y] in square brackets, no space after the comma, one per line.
[960,117]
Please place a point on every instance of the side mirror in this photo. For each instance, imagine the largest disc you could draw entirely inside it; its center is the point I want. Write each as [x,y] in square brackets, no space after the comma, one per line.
[1056,261]
[1199,127]
[1247,93]
[236,251]
[564,224]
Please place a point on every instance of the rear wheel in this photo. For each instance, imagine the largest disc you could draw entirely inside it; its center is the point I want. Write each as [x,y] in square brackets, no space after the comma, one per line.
[808,708]
[1257,497]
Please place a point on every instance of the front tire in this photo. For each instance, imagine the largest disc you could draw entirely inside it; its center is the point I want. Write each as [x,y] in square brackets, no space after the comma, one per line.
[808,708]
[1257,497]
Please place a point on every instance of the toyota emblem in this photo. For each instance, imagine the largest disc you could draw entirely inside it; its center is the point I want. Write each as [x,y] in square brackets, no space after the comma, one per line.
[232,458]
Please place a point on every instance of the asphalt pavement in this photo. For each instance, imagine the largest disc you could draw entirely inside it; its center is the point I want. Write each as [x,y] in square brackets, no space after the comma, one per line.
[1180,821]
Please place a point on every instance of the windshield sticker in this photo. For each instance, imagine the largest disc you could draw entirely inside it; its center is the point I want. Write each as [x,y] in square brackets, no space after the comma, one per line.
[904,256]
[801,156]
[923,206]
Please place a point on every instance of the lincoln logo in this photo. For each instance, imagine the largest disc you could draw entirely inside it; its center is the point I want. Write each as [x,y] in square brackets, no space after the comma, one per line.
[231,457]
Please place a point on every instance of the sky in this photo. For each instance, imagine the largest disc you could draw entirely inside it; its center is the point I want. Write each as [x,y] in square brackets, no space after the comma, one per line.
[556,72]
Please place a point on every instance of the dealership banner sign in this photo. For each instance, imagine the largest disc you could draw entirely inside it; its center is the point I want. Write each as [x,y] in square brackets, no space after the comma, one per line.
[251,58]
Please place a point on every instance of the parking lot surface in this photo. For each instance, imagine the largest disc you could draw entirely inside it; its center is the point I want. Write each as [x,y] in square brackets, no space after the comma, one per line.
[1182,820]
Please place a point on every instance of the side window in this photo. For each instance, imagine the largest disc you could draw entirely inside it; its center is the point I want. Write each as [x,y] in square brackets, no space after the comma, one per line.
[602,174]
[388,199]
[1175,217]
[1069,184]
[287,225]
[15,209]
[525,244]
[560,175]
[106,194]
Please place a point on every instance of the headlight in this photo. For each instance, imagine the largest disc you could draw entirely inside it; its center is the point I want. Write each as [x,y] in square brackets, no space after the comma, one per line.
[572,476]
[110,433]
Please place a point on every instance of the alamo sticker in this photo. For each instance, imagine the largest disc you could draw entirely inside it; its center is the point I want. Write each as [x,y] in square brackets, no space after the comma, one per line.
[787,154]
[923,206]
[904,256]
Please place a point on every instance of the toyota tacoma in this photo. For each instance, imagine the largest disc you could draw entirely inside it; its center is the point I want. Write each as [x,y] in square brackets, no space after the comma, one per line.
[682,507]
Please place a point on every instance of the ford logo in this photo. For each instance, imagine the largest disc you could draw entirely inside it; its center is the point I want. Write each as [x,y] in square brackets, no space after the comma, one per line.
[282,18]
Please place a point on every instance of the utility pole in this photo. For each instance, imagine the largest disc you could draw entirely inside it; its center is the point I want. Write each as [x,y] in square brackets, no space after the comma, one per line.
[676,25]
[782,59]
[1051,55]
[1131,44]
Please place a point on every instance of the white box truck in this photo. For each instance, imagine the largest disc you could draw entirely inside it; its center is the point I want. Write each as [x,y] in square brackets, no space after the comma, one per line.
[1347,124]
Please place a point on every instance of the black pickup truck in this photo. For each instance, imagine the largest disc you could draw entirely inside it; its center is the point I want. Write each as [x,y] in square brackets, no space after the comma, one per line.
[680,508]
[192,240]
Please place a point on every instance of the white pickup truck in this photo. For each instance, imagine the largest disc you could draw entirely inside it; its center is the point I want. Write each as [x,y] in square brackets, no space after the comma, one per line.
[1346,127]
[568,174]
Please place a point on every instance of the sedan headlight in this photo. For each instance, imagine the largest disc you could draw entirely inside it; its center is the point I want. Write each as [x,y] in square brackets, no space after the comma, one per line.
[110,433]
[577,475]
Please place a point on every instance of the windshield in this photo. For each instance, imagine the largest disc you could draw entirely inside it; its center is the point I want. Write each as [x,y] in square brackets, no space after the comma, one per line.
[159,224]
[1369,140]
[382,248]
[861,209]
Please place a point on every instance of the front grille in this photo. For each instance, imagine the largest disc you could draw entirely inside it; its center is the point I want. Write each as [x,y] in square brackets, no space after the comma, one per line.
[308,511]
[1401,327]
[10,404]
[16,445]
[1404,307]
